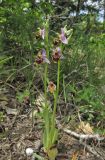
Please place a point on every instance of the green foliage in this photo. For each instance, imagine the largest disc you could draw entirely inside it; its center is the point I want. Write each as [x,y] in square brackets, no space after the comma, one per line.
[88,100]
[4,60]
[50,132]
[22,95]
[92,103]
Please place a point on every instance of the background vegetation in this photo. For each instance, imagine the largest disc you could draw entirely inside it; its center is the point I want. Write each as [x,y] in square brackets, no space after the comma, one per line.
[82,77]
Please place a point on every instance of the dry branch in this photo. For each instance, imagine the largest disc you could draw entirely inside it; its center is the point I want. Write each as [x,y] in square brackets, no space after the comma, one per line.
[84,136]
[95,151]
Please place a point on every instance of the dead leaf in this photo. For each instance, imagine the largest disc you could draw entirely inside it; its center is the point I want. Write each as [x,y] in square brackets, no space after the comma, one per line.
[75,156]
[11,111]
[40,101]
[3,97]
[33,113]
[86,128]
[3,104]
[37,144]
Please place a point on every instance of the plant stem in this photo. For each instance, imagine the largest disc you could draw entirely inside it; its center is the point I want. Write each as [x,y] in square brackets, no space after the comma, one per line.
[45,83]
[46,65]
[57,92]
[58,78]
[38,157]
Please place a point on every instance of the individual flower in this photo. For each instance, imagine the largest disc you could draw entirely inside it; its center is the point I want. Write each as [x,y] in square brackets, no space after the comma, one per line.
[57,55]
[63,36]
[41,57]
[51,87]
[29,151]
[40,33]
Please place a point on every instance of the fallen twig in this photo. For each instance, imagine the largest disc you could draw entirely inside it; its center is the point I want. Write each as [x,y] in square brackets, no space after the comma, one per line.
[93,151]
[84,136]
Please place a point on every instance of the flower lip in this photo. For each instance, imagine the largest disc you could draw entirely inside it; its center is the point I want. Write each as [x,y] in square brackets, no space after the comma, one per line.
[51,87]
[39,58]
[40,33]
[57,55]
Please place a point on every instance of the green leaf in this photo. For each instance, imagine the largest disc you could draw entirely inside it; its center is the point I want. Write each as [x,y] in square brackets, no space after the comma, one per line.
[52,153]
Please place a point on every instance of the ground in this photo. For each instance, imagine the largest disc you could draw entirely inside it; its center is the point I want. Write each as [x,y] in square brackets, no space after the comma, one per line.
[17,132]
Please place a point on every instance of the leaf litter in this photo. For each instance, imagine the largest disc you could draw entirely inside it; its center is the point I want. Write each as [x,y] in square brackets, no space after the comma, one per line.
[19,134]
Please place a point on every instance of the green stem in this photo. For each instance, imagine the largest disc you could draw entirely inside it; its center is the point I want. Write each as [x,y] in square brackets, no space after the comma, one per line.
[58,78]
[45,80]
[38,157]
[57,92]
[45,83]
[64,89]
[46,66]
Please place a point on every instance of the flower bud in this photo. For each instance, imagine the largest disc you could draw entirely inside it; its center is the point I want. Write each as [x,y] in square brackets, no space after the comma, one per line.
[51,87]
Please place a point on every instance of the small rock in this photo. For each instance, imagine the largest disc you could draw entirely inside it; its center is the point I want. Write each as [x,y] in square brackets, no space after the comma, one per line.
[29,151]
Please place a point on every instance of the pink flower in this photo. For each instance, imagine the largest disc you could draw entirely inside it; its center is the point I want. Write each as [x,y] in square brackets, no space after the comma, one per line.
[41,57]
[63,36]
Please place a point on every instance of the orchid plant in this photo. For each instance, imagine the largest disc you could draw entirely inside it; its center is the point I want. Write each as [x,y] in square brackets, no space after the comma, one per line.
[50,134]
